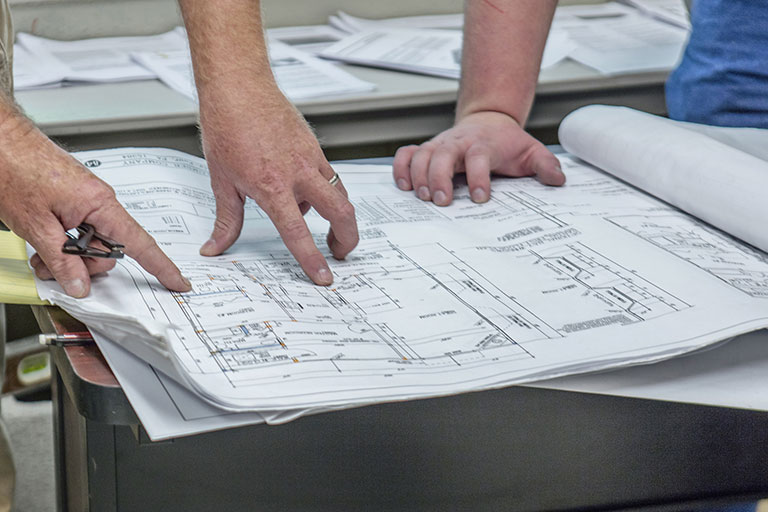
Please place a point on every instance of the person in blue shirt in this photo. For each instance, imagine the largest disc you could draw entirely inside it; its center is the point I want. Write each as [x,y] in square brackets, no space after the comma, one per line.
[722,79]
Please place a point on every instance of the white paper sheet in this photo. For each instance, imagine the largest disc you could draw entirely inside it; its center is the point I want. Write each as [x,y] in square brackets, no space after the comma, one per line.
[309,38]
[106,59]
[165,408]
[424,51]
[624,44]
[731,375]
[606,10]
[612,38]
[559,47]
[540,282]
[351,24]
[671,11]
[35,73]
[298,74]
[174,69]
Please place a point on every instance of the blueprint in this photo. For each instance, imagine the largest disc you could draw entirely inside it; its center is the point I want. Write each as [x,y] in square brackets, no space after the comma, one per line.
[540,282]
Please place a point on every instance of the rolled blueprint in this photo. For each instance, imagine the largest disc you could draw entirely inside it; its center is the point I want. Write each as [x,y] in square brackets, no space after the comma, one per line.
[692,167]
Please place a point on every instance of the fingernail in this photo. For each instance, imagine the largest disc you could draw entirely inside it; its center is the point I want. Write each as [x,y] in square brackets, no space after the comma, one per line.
[186,282]
[440,198]
[479,195]
[75,288]
[424,193]
[323,277]
[208,247]
[402,184]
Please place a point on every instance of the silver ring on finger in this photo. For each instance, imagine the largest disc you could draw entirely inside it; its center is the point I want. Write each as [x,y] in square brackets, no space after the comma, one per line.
[334,179]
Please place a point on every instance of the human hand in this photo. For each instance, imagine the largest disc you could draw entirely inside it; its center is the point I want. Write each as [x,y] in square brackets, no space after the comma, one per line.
[46,191]
[478,145]
[273,157]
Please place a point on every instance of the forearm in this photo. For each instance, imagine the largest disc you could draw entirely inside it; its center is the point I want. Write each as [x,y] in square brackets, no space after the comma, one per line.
[14,125]
[503,44]
[229,53]
[20,142]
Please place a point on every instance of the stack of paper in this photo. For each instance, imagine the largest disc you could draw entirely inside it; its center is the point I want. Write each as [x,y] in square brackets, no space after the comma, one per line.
[298,74]
[670,11]
[611,37]
[45,63]
[39,61]
[310,38]
[351,24]
[537,283]
[623,44]
[426,51]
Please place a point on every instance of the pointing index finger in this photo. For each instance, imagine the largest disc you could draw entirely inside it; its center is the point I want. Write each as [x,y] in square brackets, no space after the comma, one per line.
[285,214]
[117,224]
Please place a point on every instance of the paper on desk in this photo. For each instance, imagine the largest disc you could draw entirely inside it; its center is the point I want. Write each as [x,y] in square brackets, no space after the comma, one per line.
[104,59]
[310,38]
[671,11]
[174,69]
[596,11]
[298,74]
[347,23]
[35,72]
[424,51]
[17,285]
[733,375]
[537,283]
[559,47]
[351,24]
[624,44]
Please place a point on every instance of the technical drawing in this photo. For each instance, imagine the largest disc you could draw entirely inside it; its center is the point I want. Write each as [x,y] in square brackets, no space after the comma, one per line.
[732,262]
[347,327]
[249,314]
[617,295]
[537,282]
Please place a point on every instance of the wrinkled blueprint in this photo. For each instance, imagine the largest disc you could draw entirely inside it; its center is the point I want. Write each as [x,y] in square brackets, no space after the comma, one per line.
[537,283]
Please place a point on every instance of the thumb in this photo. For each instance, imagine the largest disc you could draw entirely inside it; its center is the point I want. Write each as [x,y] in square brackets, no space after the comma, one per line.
[545,166]
[69,270]
[229,219]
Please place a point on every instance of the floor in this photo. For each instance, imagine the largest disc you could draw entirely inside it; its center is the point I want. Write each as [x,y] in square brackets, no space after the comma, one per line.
[30,428]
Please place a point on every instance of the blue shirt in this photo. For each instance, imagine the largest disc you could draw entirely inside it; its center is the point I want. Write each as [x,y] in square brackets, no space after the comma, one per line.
[723,77]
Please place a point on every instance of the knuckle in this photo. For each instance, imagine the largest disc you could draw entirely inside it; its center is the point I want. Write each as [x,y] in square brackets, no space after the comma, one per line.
[430,145]
[476,150]
[223,223]
[58,266]
[294,229]
[270,184]
[97,191]
[147,247]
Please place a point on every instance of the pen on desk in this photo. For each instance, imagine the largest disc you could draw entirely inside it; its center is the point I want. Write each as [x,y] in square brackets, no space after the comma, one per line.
[69,339]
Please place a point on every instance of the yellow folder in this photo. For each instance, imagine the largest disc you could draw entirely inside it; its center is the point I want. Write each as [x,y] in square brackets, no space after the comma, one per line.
[17,286]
